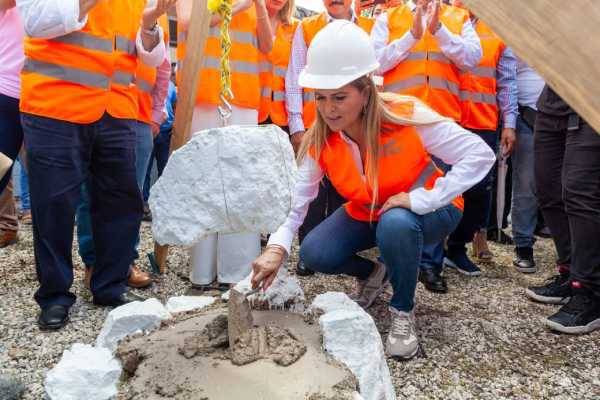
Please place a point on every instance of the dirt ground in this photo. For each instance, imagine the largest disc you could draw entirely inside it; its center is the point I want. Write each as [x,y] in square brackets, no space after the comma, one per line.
[483,340]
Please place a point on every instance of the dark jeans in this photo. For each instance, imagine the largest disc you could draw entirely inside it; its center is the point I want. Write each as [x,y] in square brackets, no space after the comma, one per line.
[326,203]
[478,201]
[567,174]
[400,234]
[160,152]
[61,156]
[11,133]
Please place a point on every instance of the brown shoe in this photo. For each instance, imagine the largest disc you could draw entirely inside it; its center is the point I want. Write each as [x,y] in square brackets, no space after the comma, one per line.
[7,238]
[138,278]
[87,277]
[26,218]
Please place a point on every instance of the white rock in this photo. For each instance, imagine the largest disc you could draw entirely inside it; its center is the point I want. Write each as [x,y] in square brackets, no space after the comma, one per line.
[332,301]
[284,292]
[130,319]
[351,337]
[84,372]
[231,179]
[188,303]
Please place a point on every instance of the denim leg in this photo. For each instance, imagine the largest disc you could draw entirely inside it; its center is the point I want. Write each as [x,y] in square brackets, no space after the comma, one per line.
[58,158]
[24,190]
[403,257]
[84,228]
[524,207]
[331,247]
[116,205]
[143,153]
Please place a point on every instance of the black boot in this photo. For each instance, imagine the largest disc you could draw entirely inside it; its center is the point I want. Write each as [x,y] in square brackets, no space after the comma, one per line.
[53,317]
[524,261]
[433,281]
[303,270]
[580,315]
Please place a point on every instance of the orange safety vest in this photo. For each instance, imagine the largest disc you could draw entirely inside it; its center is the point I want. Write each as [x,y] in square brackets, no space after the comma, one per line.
[243,61]
[426,73]
[310,27]
[145,79]
[478,87]
[404,165]
[274,105]
[79,76]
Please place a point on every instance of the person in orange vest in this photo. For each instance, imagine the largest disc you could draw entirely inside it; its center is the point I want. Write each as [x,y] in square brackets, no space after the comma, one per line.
[421,53]
[221,260]
[375,148]
[79,106]
[151,84]
[302,109]
[487,92]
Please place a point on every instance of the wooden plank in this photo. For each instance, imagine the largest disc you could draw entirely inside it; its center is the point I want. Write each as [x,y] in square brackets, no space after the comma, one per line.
[559,39]
[197,33]
[190,77]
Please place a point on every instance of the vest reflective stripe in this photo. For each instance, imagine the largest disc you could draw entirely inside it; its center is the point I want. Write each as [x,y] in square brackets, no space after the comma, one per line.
[477,97]
[125,45]
[278,96]
[427,73]
[215,32]
[478,86]
[144,85]
[280,71]
[405,84]
[86,40]
[265,92]
[264,66]
[425,176]
[122,78]
[235,66]
[67,74]
[308,96]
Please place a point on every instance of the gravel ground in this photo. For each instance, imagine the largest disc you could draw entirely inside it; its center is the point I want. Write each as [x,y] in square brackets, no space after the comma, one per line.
[483,340]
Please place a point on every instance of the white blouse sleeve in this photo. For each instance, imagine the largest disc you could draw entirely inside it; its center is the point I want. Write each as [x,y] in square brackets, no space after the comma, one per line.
[471,159]
[305,191]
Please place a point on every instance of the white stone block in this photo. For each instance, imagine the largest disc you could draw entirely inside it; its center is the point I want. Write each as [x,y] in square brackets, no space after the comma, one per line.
[84,372]
[130,319]
[188,303]
[351,337]
[231,179]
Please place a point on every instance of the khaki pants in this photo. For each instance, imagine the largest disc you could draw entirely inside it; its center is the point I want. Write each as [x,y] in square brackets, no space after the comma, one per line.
[8,210]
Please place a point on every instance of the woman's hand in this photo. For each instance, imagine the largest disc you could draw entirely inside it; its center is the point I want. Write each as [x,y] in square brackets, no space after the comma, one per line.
[266,266]
[400,200]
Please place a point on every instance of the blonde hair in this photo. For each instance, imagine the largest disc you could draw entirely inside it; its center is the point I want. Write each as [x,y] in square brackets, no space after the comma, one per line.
[377,111]
[285,14]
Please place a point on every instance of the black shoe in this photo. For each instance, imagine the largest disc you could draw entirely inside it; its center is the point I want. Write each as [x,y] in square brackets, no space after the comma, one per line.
[557,290]
[524,261]
[302,270]
[53,317]
[125,298]
[492,236]
[580,315]
[433,281]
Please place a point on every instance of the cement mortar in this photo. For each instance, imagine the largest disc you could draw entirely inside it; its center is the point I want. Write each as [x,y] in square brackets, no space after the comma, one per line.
[158,369]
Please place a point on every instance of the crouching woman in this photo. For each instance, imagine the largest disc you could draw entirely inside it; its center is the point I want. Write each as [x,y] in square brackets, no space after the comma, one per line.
[375,149]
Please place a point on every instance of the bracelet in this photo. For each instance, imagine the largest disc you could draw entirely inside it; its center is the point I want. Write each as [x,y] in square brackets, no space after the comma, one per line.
[151,31]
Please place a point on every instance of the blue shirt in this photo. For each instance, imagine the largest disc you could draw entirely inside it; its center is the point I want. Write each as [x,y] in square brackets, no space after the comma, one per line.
[170,101]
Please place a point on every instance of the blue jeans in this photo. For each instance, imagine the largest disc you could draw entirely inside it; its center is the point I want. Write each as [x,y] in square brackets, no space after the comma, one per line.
[331,247]
[524,201]
[61,157]
[143,148]
[160,152]
[24,189]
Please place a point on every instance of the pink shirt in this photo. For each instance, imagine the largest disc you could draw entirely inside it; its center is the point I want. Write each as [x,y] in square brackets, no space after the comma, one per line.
[11,52]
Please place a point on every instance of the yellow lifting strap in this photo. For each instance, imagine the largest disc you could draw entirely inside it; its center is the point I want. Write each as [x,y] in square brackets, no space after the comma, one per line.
[223,8]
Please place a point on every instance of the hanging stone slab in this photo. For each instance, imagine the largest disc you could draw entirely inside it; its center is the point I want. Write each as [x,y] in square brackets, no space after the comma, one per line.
[231,179]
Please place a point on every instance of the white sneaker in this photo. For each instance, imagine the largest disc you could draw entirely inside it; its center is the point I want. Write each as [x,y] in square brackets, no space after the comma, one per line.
[366,291]
[402,341]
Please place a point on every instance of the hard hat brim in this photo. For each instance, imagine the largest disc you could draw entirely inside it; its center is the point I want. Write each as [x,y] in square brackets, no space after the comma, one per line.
[313,81]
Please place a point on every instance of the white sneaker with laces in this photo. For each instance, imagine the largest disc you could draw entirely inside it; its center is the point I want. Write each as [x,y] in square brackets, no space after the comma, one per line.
[402,341]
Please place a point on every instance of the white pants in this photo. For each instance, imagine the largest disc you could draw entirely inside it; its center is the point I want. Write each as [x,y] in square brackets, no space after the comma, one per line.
[227,257]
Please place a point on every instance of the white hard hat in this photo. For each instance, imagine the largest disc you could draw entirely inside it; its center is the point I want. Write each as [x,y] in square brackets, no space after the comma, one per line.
[339,54]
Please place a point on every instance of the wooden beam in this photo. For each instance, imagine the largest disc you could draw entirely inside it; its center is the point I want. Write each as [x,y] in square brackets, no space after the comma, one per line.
[559,39]
[197,33]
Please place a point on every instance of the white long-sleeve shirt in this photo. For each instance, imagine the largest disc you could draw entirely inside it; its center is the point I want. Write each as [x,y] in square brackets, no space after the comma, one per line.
[48,19]
[470,157]
[463,50]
